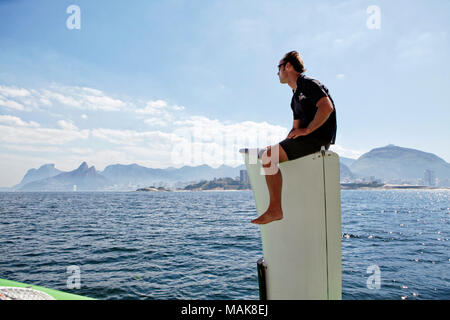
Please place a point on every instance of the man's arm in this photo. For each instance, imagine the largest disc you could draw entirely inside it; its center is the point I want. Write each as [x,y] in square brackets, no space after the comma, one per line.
[295,125]
[325,108]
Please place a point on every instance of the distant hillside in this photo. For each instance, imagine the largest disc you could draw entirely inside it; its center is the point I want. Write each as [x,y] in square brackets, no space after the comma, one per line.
[347,161]
[44,172]
[345,173]
[85,179]
[134,174]
[138,175]
[394,163]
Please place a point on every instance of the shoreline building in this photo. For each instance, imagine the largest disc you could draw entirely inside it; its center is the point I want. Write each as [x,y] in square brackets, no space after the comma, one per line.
[243,177]
[429,178]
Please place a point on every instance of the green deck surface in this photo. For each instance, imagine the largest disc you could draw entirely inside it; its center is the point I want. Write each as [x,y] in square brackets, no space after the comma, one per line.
[58,295]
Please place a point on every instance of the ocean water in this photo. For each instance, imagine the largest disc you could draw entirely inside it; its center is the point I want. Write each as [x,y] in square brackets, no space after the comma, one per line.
[201,245]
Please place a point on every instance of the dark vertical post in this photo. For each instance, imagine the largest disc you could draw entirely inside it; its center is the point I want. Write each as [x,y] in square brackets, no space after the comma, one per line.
[262,266]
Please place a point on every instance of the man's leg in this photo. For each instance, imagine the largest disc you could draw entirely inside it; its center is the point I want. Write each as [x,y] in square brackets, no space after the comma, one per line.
[274,183]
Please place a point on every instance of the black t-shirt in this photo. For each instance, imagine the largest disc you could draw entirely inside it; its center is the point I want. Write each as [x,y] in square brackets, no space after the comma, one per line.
[309,92]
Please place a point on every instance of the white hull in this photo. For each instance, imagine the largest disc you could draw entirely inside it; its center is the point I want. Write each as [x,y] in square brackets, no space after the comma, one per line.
[303,250]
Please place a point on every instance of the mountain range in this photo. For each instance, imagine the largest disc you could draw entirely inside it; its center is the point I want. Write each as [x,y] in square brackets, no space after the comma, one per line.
[85,179]
[389,164]
[393,163]
[118,177]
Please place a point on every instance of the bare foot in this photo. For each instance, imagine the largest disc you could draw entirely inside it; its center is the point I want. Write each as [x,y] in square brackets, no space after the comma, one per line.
[269,216]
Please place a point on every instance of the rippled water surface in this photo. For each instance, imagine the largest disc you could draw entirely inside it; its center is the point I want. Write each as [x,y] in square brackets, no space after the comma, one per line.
[200,245]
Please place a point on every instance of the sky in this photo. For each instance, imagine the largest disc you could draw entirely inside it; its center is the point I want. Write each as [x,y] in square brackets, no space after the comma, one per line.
[190,82]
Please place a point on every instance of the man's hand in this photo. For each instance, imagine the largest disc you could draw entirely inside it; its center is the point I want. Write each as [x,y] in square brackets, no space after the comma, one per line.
[299,132]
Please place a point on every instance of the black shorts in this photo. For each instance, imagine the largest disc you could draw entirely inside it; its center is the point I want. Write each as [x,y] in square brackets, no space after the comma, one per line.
[302,146]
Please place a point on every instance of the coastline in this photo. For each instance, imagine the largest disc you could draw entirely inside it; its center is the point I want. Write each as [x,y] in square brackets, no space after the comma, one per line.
[230,190]
[399,188]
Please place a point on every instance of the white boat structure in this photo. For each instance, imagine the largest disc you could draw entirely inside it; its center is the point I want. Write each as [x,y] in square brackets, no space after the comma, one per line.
[302,252]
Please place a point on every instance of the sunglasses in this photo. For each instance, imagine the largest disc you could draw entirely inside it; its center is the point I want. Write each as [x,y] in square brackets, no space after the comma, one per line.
[280,65]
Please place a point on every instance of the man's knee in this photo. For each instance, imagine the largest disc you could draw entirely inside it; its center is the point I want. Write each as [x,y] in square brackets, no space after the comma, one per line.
[268,157]
[274,154]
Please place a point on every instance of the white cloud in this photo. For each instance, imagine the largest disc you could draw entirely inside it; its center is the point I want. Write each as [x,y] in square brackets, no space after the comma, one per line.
[344,152]
[93,99]
[16,122]
[15,130]
[157,104]
[66,125]
[76,97]
[13,92]
[104,103]
[92,91]
[83,98]
[61,98]
[11,104]
[160,109]
[44,101]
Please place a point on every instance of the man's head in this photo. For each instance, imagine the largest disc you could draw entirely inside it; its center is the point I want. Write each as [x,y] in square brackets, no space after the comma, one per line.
[290,66]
